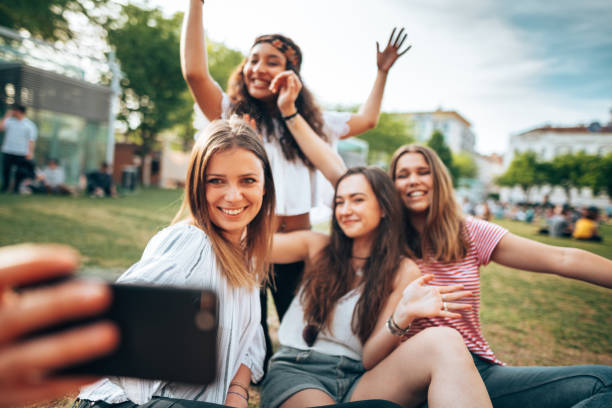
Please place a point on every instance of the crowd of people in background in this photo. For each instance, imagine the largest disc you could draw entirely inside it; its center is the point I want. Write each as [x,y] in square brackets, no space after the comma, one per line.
[560,220]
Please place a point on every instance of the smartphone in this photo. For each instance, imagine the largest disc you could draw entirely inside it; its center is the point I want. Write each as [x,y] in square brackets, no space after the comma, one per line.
[167,333]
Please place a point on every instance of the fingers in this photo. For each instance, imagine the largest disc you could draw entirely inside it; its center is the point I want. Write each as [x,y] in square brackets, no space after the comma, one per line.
[23,394]
[456,295]
[26,263]
[449,288]
[279,80]
[377,48]
[391,37]
[397,39]
[405,51]
[29,360]
[44,307]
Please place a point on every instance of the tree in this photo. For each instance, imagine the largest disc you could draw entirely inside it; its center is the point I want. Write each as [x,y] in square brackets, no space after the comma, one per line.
[390,133]
[526,171]
[465,166]
[47,19]
[147,47]
[437,143]
[568,171]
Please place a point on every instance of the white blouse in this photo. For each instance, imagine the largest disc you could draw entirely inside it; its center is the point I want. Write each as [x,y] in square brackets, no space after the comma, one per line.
[182,255]
[298,188]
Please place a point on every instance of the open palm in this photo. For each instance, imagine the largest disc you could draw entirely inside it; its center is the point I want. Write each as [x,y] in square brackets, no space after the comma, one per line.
[388,56]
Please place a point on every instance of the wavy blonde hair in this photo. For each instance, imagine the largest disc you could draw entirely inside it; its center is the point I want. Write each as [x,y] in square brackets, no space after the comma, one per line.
[243,265]
[443,237]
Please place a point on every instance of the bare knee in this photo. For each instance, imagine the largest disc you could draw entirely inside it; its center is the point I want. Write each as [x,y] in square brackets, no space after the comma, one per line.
[444,344]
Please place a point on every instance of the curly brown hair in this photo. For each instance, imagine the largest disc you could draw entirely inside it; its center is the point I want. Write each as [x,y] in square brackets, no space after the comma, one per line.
[268,120]
[331,276]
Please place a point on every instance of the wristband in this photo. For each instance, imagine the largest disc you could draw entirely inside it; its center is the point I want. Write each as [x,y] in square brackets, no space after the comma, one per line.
[293,115]
[395,329]
[237,393]
[245,389]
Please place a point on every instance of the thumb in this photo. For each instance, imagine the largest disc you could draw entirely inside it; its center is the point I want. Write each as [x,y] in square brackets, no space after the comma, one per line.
[377,47]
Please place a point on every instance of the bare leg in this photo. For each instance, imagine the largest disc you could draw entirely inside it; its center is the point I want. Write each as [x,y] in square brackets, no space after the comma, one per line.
[435,365]
[308,398]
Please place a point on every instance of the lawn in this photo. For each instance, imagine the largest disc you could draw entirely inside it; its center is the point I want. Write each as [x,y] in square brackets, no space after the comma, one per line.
[527,318]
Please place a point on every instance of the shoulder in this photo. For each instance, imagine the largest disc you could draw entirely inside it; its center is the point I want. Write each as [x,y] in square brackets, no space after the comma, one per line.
[406,273]
[336,123]
[181,238]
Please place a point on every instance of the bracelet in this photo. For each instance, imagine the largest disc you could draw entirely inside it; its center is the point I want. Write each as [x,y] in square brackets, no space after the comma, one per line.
[245,389]
[293,115]
[395,329]
[237,393]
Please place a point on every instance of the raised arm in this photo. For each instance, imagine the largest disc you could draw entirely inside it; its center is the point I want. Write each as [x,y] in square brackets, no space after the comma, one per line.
[321,154]
[367,116]
[412,298]
[522,253]
[296,246]
[194,63]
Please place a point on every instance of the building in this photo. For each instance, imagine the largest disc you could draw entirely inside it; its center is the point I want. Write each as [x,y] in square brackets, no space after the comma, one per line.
[551,141]
[455,128]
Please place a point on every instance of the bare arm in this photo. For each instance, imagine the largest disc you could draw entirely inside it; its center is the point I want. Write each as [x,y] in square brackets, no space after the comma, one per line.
[522,253]
[31,145]
[411,299]
[237,395]
[321,154]
[288,247]
[194,63]
[367,116]
[7,115]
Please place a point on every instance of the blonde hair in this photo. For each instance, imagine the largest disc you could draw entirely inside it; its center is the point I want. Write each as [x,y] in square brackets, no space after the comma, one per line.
[443,237]
[244,265]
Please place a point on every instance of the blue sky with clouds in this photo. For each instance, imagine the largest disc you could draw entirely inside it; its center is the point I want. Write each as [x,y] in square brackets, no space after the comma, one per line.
[506,66]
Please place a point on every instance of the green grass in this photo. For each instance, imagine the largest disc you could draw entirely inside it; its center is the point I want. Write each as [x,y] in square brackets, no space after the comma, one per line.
[528,318]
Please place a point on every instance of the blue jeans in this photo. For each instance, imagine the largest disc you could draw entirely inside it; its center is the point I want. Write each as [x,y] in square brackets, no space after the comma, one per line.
[586,386]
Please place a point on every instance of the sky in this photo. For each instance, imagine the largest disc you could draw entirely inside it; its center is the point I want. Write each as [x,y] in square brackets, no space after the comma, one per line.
[506,66]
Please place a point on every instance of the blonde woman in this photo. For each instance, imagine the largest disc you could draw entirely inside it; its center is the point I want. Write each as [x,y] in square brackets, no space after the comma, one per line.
[452,247]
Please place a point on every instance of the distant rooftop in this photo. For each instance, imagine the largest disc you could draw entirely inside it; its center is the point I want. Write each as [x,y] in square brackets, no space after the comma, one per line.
[440,114]
[594,127]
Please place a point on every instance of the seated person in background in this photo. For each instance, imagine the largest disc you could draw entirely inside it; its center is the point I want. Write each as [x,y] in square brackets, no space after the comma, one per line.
[560,225]
[100,182]
[52,179]
[586,226]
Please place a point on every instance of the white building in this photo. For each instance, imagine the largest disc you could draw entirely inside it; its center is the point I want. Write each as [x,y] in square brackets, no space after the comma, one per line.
[455,128]
[550,141]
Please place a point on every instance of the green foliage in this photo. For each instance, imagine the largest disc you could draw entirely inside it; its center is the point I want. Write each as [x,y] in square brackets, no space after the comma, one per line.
[464,165]
[47,19]
[437,143]
[147,47]
[222,61]
[390,133]
[526,171]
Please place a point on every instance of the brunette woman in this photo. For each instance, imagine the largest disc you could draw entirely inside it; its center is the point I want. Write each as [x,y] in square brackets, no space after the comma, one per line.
[267,86]
[341,339]
[220,240]
[452,248]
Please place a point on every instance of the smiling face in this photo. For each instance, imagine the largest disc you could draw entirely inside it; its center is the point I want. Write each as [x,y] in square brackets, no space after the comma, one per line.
[234,190]
[263,64]
[356,207]
[414,181]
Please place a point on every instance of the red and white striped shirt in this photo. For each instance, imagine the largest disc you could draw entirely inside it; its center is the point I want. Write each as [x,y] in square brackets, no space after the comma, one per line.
[483,237]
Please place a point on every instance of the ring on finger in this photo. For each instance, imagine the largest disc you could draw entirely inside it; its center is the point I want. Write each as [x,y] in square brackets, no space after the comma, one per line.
[445,306]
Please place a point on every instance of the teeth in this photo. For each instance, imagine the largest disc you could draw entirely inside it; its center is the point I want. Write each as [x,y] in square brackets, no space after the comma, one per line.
[416,194]
[232,212]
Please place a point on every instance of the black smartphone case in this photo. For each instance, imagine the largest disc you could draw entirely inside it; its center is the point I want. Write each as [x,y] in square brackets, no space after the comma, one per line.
[166,333]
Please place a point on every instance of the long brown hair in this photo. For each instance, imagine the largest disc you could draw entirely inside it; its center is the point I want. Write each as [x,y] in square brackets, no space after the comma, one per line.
[268,120]
[244,265]
[331,276]
[443,237]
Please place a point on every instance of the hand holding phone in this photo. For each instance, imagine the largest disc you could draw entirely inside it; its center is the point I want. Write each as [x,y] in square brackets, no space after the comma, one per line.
[27,366]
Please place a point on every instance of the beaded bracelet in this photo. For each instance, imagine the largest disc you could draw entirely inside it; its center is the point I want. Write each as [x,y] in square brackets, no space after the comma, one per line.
[395,329]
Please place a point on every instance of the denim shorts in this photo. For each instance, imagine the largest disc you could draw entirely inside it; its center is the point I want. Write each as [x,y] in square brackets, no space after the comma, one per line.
[293,370]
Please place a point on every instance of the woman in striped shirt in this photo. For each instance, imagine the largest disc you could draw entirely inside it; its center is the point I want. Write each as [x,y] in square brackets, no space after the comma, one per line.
[453,247]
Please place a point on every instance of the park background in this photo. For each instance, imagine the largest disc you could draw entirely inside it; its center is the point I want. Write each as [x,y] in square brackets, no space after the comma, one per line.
[520,79]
